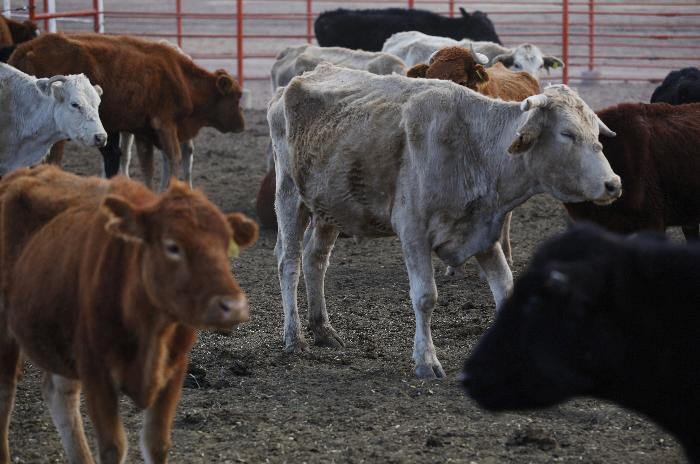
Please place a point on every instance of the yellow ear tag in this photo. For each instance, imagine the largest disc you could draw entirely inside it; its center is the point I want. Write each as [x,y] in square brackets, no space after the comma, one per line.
[478,73]
[555,65]
[233,249]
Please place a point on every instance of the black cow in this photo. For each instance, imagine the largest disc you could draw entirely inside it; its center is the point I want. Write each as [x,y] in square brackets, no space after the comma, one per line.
[679,87]
[599,316]
[368,29]
[5,52]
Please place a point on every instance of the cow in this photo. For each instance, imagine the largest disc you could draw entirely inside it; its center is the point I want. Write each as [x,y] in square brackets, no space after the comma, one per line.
[682,86]
[656,155]
[6,52]
[433,162]
[165,101]
[294,61]
[369,29]
[595,315]
[14,32]
[466,67]
[128,277]
[39,112]
[414,47]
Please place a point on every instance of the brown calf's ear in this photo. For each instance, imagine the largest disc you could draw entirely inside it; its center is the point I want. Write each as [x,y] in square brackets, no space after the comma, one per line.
[417,70]
[481,74]
[123,220]
[224,84]
[523,142]
[245,230]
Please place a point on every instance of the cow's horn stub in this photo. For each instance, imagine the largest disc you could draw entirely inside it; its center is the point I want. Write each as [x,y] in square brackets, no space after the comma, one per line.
[479,57]
[535,101]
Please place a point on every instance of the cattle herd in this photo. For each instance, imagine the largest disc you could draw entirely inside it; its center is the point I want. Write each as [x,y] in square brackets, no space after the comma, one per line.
[401,123]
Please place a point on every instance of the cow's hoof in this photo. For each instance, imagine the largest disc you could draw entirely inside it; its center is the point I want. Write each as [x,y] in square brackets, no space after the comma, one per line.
[328,337]
[430,372]
[296,346]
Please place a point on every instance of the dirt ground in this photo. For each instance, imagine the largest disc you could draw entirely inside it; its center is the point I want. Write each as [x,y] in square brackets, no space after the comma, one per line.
[248,402]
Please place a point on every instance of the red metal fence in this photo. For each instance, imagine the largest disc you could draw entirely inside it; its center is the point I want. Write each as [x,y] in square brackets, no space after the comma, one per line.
[633,40]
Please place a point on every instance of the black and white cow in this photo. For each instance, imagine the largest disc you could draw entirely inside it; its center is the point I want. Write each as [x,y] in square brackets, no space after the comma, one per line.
[597,315]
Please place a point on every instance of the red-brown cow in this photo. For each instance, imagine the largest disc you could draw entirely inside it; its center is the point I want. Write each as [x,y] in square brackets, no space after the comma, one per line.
[127,278]
[656,155]
[14,32]
[151,90]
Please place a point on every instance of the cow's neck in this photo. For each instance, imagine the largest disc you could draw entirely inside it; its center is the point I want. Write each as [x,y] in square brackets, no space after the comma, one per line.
[204,95]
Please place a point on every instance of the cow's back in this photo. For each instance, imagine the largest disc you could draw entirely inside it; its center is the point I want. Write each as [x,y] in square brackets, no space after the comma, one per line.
[512,85]
[133,73]
[5,33]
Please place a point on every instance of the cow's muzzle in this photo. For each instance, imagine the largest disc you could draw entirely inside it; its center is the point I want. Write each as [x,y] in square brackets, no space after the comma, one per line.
[612,191]
[100,139]
[224,312]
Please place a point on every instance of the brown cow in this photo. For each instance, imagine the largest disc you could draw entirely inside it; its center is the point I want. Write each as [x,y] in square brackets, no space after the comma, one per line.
[151,90]
[127,278]
[14,32]
[656,154]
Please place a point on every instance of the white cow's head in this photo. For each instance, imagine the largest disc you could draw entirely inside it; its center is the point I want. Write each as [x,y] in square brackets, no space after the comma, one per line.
[558,135]
[528,58]
[75,109]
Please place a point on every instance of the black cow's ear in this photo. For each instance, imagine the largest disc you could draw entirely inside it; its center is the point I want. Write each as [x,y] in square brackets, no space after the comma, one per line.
[558,281]
[464,12]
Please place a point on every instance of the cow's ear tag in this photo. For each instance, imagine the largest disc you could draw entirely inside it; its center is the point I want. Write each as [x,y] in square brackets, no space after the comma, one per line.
[555,65]
[233,250]
[478,73]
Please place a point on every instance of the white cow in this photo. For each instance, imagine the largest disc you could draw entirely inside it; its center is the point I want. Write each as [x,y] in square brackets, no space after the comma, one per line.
[293,61]
[414,47]
[430,161]
[36,113]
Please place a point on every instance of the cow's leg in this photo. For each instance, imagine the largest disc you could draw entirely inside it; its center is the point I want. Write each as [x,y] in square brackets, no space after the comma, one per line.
[9,373]
[690,232]
[187,150]
[292,217]
[317,249]
[103,406]
[126,140]
[505,238]
[55,155]
[421,278]
[494,265]
[63,397]
[111,155]
[171,148]
[144,150]
[158,420]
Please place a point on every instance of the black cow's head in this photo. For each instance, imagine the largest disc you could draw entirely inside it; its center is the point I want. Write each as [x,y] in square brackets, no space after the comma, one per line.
[553,338]
[478,26]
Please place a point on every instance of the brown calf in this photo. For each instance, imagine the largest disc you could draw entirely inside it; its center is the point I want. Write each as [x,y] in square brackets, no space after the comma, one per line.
[126,279]
[151,90]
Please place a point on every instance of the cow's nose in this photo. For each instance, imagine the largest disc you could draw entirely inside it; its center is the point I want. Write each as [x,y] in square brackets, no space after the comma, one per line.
[613,187]
[100,139]
[227,311]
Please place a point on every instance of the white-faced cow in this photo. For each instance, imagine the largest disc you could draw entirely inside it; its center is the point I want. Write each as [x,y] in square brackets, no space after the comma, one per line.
[414,47]
[431,161]
[36,113]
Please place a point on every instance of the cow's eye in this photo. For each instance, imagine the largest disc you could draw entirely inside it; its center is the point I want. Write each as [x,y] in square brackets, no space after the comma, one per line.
[75,105]
[568,135]
[172,249]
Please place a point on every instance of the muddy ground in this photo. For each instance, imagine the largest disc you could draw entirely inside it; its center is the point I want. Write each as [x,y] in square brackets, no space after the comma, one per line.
[361,404]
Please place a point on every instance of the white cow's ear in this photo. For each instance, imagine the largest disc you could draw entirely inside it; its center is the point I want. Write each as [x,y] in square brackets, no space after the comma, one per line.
[98,89]
[44,86]
[527,134]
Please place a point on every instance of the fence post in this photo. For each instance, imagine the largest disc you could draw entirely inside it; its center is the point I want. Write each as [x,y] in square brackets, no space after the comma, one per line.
[99,18]
[591,34]
[451,7]
[239,41]
[178,18]
[309,21]
[565,40]
[410,3]
[32,11]
[46,20]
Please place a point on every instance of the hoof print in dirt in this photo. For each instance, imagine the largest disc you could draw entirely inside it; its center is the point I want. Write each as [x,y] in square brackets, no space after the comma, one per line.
[196,377]
[534,437]
[238,367]
[433,441]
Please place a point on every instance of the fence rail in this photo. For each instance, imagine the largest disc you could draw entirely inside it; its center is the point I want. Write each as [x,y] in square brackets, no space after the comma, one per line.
[639,40]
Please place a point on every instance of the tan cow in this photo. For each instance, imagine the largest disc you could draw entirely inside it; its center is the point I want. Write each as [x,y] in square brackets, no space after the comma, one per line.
[127,278]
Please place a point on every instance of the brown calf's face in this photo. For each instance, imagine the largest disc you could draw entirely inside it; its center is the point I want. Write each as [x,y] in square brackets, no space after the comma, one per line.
[454,64]
[185,242]
[227,115]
